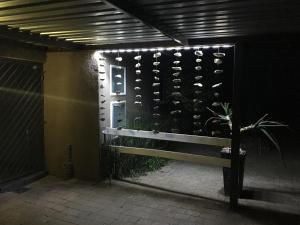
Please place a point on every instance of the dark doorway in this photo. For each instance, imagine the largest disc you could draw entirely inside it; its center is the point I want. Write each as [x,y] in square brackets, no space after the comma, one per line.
[21,119]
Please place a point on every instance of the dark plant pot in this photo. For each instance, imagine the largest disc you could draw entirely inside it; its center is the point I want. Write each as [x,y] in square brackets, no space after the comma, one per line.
[225,153]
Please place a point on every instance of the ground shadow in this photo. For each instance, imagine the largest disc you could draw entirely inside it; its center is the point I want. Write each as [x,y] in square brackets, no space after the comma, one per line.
[268,217]
[271,195]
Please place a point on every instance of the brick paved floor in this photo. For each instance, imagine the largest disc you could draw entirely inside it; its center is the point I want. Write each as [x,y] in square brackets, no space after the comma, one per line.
[267,182]
[56,202]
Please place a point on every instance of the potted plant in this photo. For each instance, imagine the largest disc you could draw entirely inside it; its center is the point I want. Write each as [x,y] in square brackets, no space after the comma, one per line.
[261,126]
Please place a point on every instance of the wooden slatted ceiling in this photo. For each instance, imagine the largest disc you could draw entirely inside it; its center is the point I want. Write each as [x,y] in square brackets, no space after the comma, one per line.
[94,22]
[78,21]
[220,18]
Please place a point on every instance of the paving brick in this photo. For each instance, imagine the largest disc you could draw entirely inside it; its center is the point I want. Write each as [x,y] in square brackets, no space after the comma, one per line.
[120,204]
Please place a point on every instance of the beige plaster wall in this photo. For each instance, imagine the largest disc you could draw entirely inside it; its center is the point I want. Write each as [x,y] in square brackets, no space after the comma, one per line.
[71,113]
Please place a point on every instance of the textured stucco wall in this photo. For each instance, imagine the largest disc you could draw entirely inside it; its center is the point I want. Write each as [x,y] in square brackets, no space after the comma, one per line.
[71,113]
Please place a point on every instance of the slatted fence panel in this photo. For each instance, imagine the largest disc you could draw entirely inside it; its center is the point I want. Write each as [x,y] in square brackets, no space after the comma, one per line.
[21,119]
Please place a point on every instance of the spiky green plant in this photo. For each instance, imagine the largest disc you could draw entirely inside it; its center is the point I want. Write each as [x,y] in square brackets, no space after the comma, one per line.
[262,125]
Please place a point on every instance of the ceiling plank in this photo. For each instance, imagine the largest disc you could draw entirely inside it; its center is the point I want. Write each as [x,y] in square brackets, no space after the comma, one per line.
[45,7]
[54,13]
[34,38]
[141,44]
[142,15]
[15,3]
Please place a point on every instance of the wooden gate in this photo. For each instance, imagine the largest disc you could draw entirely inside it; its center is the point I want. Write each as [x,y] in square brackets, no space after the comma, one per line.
[21,119]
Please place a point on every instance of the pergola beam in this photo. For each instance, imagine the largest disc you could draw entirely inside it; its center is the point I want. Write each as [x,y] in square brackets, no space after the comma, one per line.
[37,39]
[143,16]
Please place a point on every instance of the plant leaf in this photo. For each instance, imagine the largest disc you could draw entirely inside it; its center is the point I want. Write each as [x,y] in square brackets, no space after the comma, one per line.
[266,122]
[272,139]
[224,124]
[211,118]
[216,114]
[278,148]
[270,125]
[261,119]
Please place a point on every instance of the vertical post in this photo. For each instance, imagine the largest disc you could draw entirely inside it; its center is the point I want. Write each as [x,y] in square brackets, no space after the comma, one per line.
[235,144]
[102,154]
